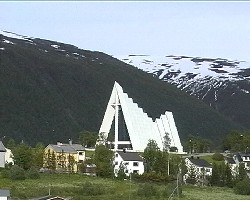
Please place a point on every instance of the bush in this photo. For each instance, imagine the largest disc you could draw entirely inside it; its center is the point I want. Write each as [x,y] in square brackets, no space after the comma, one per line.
[91,189]
[17,173]
[151,177]
[147,190]
[218,157]
[243,187]
[5,173]
[32,173]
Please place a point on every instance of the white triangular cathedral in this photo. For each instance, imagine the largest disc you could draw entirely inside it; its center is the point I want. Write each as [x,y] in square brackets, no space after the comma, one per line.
[125,125]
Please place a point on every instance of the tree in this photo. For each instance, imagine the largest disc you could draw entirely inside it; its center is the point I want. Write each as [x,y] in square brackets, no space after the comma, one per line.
[150,155]
[191,175]
[38,152]
[242,174]
[121,174]
[50,160]
[71,163]
[243,187]
[87,138]
[166,142]
[11,144]
[23,156]
[215,178]
[229,177]
[103,159]
[17,173]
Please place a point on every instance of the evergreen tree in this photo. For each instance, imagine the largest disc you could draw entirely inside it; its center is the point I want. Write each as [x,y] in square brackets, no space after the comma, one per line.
[229,178]
[121,172]
[23,156]
[242,174]
[71,163]
[103,158]
[38,152]
[191,175]
[215,178]
[150,154]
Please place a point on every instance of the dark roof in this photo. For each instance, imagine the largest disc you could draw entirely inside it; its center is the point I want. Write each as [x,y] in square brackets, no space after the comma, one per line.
[49,197]
[130,156]
[67,148]
[230,160]
[4,193]
[2,147]
[200,162]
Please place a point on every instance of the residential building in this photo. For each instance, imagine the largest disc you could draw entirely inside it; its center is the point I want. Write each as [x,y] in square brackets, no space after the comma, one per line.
[9,157]
[130,162]
[66,157]
[4,194]
[232,164]
[49,197]
[6,156]
[242,158]
[200,166]
[2,154]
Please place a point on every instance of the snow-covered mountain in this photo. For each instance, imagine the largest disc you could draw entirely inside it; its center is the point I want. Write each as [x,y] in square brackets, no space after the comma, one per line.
[222,83]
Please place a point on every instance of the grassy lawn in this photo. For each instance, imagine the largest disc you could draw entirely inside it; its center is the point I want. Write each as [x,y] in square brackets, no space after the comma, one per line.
[210,160]
[83,187]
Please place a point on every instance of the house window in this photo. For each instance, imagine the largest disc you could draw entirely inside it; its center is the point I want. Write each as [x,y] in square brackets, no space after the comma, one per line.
[136,171]
[207,170]
[116,163]
[135,164]
[126,163]
[80,153]
[116,155]
[126,171]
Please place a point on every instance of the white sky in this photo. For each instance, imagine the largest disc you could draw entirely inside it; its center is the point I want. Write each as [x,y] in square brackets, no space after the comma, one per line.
[207,29]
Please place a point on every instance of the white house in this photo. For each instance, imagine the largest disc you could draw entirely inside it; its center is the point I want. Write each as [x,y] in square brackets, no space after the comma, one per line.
[6,155]
[242,158]
[4,194]
[131,162]
[200,166]
[232,164]
[2,155]
[9,157]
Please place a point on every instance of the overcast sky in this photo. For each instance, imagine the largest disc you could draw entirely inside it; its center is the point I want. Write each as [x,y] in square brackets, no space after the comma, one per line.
[206,29]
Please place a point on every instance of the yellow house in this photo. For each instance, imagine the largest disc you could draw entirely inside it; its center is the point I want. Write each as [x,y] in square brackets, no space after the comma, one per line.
[63,157]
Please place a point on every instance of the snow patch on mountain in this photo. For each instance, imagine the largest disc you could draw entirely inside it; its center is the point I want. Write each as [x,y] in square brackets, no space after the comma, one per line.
[195,75]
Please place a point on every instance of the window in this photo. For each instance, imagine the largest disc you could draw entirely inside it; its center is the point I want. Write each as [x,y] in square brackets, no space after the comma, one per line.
[116,163]
[135,164]
[126,171]
[116,155]
[80,153]
[136,171]
[126,163]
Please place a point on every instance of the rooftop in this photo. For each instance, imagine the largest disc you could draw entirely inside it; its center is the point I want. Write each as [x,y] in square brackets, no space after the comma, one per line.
[199,162]
[4,193]
[2,147]
[67,148]
[130,156]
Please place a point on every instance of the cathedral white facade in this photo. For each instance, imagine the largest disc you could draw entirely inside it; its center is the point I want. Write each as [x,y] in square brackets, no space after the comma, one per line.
[126,125]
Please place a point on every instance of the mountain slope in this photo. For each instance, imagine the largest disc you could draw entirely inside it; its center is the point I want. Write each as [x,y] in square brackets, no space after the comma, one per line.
[221,83]
[50,91]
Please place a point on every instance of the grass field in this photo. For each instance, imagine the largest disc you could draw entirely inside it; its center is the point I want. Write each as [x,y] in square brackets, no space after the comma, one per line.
[83,187]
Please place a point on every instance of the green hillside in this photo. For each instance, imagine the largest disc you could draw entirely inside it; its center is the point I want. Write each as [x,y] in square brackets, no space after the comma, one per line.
[50,94]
